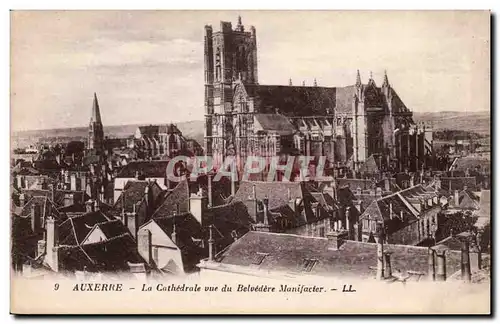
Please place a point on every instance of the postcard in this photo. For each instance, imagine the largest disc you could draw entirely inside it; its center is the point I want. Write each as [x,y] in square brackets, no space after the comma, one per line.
[250,162]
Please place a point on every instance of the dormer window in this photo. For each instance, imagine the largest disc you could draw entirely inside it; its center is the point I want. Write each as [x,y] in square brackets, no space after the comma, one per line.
[308,264]
[258,258]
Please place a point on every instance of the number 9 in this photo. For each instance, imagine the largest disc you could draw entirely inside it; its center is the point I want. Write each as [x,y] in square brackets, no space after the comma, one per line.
[56,286]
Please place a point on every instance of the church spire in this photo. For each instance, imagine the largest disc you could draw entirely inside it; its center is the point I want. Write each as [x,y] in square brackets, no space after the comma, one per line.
[315,82]
[290,82]
[96,114]
[358,79]
[386,80]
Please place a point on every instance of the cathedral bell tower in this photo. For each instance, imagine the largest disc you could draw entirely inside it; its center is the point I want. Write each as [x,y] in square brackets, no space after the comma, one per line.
[230,54]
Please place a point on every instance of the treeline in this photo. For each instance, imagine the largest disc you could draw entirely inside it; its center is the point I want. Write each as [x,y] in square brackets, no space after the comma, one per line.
[453,134]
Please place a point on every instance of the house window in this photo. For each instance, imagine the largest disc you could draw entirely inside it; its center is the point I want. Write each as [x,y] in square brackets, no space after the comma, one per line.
[322,232]
[308,264]
[258,258]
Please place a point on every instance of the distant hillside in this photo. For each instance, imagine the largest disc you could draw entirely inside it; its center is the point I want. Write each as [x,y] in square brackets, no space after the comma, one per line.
[190,129]
[477,122]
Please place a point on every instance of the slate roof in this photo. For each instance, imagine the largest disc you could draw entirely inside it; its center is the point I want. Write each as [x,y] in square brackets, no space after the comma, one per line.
[370,166]
[286,253]
[155,130]
[112,228]
[275,123]
[47,205]
[458,183]
[471,162]
[177,198]
[133,194]
[276,192]
[353,184]
[188,237]
[75,229]
[149,169]
[112,255]
[308,101]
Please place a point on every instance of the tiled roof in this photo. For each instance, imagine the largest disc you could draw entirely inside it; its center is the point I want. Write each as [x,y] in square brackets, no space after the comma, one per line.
[148,169]
[275,123]
[75,229]
[286,253]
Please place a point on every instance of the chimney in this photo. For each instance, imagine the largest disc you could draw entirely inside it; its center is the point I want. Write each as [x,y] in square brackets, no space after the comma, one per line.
[437,185]
[22,200]
[73,182]
[265,203]
[412,181]
[380,252]
[387,184]
[89,206]
[174,232]
[233,181]
[146,196]
[209,190]
[96,205]
[51,257]
[36,217]
[336,239]
[378,192]
[388,267]
[144,242]
[465,256]
[465,187]
[52,192]
[457,198]
[431,265]
[211,244]
[136,175]
[440,253]
[479,248]
[390,210]
[41,247]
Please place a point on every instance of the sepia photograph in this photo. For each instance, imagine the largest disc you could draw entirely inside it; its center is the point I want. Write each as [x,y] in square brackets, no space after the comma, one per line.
[250,162]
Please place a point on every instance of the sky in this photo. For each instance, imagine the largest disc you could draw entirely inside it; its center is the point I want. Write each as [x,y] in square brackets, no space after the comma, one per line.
[147,66]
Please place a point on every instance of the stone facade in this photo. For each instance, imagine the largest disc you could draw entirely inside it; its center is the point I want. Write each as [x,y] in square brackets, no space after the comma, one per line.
[345,124]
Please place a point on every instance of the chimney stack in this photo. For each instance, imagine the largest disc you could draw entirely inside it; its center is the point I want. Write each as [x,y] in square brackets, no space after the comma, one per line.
[457,198]
[211,244]
[380,252]
[387,184]
[440,253]
[336,239]
[36,217]
[265,203]
[388,267]
[465,256]
[432,265]
[378,192]
[209,190]
[51,245]
[89,206]
[22,200]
